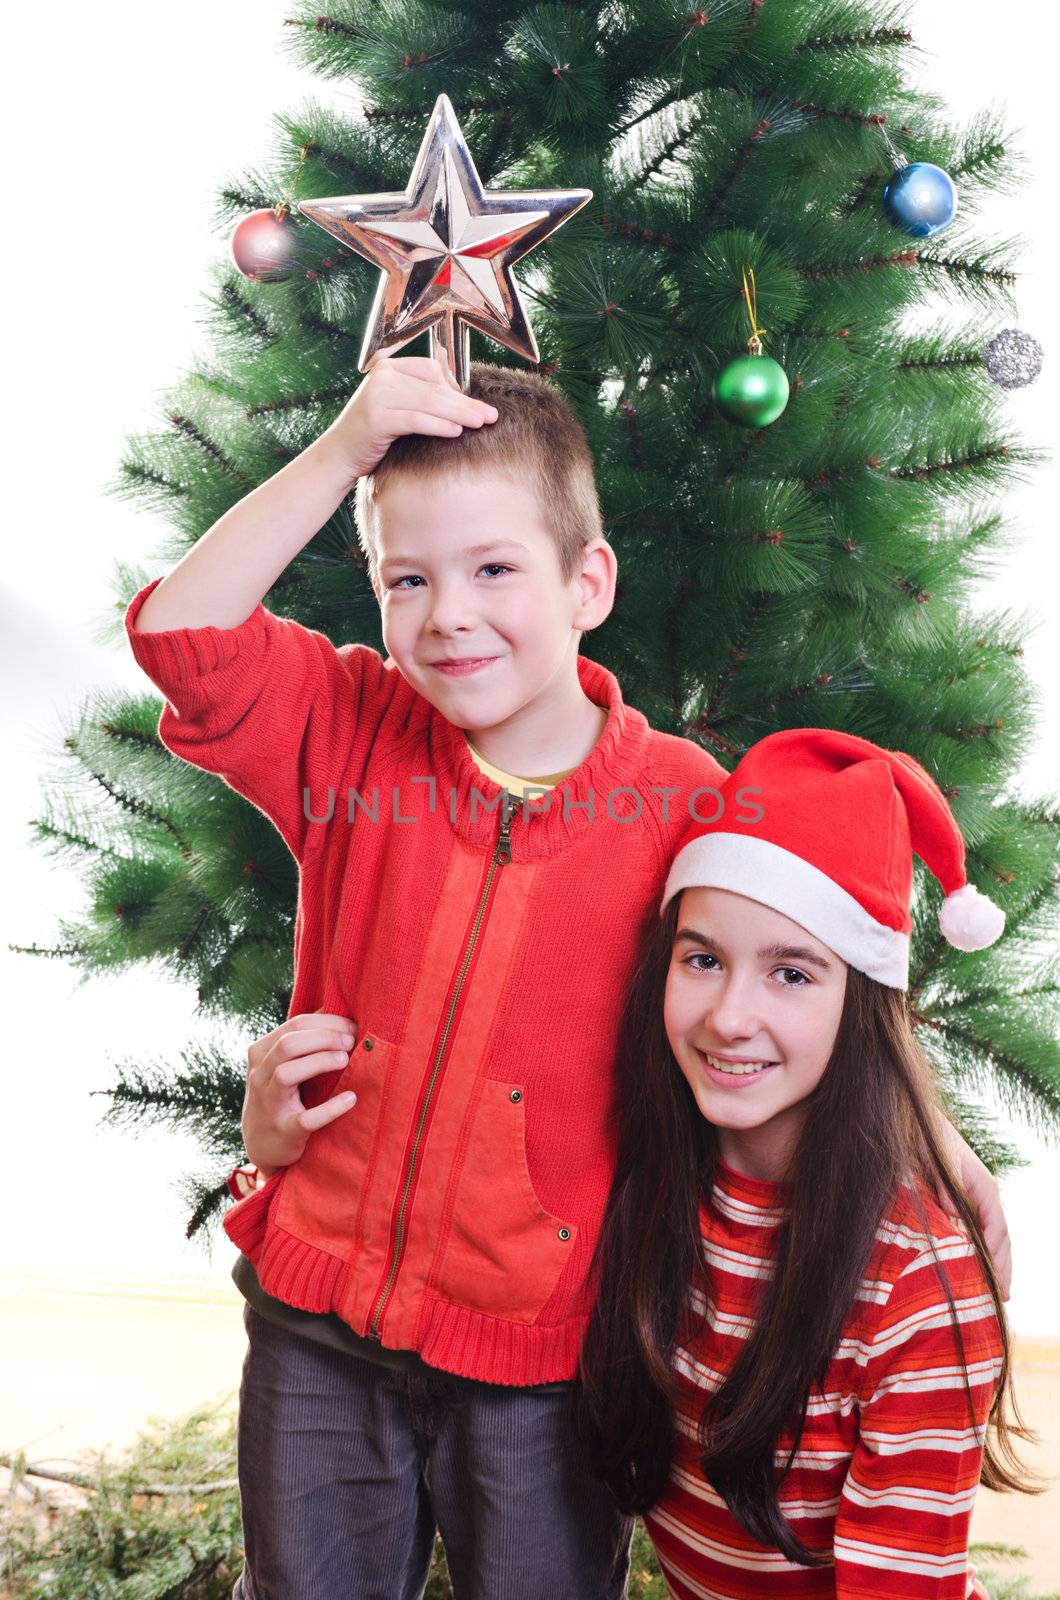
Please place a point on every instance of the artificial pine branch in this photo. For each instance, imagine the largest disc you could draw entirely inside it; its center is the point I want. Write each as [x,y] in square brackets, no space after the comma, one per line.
[415,115]
[491,156]
[975,458]
[857,266]
[623,228]
[136,475]
[316,324]
[330,25]
[49,834]
[208,1201]
[962,267]
[975,1126]
[860,39]
[57,952]
[964,356]
[300,402]
[82,1480]
[670,98]
[870,119]
[236,302]
[975,162]
[1031,1091]
[135,807]
[1041,899]
[205,1095]
[992,993]
[735,171]
[190,430]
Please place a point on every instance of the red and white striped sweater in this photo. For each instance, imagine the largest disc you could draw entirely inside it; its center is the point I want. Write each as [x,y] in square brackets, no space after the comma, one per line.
[888,1465]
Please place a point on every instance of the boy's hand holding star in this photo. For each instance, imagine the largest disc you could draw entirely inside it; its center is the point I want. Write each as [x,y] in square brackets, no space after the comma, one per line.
[401,394]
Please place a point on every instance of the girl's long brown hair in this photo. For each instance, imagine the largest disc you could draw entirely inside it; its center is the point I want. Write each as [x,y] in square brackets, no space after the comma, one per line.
[871,1123]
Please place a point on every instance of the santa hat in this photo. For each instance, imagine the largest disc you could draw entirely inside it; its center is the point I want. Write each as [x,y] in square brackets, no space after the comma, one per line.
[822,826]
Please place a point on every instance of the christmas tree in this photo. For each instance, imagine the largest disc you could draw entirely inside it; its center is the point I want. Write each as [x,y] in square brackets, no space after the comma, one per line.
[816,569]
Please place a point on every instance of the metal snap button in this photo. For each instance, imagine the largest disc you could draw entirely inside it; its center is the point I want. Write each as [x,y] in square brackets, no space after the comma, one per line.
[369,1044]
[564,1234]
[515,1096]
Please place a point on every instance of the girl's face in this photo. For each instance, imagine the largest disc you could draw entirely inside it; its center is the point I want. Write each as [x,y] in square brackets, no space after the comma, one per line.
[752,1010]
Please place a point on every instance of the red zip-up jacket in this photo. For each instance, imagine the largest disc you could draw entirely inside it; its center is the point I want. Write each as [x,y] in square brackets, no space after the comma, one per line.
[455,1209]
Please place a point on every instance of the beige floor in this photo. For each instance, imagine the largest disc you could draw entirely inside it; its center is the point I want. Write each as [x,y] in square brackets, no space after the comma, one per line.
[1032,1521]
[86,1365]
[84,1370]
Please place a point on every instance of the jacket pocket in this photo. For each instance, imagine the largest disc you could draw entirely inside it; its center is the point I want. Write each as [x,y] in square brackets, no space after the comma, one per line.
[503,1252]
[321,1192]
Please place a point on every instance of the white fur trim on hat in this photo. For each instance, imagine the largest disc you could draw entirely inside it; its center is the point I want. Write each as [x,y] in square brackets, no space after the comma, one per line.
[775,877]
[970,920]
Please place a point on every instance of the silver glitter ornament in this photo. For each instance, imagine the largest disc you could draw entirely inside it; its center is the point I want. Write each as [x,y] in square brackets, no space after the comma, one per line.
[446,248]
[1013,358]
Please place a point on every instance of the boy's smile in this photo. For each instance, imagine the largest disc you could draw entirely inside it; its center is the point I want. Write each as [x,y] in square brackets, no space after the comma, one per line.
[462,667]
[478,617]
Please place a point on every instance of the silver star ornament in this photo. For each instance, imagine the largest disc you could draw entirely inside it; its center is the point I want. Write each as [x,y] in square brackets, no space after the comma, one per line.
[446,248]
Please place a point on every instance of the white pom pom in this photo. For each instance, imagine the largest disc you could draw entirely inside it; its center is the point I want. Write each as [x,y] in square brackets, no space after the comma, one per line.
[970,921]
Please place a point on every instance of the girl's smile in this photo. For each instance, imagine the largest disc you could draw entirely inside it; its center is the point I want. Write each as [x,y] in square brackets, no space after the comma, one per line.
[734,1074]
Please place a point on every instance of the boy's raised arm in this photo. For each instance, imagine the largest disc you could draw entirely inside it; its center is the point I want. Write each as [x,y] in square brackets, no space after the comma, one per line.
[235,563]
[273,707]
[223,577]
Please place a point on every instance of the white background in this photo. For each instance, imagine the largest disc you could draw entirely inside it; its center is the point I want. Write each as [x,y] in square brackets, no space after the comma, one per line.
[114,155]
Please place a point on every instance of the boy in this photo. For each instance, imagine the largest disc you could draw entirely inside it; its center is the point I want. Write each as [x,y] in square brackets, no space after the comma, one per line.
[434,1179]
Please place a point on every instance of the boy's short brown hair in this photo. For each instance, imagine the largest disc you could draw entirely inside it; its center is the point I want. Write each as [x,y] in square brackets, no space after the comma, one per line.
[536,439]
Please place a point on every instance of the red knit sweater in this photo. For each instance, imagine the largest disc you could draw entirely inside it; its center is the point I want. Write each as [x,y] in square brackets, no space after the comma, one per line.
[454,1210]
[889,1460]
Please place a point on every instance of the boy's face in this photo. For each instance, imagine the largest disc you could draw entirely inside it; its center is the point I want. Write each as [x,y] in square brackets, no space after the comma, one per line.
[476,613]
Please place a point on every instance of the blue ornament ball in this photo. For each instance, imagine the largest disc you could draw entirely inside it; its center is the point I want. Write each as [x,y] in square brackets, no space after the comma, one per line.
[920,199]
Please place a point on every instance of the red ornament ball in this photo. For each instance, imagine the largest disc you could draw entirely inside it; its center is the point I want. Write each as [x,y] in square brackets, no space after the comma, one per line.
[264,247]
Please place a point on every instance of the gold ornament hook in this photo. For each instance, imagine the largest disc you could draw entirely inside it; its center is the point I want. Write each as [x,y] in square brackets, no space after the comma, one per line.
[750,295]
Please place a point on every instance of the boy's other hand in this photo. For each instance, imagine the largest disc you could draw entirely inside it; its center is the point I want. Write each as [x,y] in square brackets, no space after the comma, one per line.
[276,1125]
[982,1190]
[402,394]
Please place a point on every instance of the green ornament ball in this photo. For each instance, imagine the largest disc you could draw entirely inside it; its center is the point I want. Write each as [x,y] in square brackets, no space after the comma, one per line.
[751,391]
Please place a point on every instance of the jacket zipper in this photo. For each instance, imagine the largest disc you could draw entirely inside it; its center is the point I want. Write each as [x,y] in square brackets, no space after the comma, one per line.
[500,858]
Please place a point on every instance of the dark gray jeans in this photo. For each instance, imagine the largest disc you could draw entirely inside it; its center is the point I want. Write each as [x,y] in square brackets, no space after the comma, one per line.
[345,1469]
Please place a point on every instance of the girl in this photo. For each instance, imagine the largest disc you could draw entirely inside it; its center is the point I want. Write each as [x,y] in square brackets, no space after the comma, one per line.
[795,1353]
